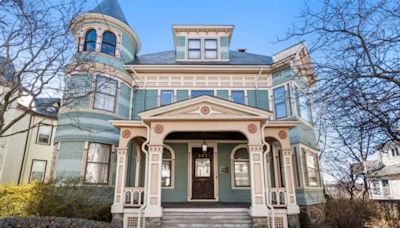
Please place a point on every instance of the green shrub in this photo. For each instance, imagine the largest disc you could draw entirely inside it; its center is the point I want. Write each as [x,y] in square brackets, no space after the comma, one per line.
[56,199]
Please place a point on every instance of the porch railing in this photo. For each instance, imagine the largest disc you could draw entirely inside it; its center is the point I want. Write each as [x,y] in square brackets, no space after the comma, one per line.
[277,197]
[133,197]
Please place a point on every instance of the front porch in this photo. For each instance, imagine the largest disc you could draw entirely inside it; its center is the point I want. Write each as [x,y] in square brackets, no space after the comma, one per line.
[208,154]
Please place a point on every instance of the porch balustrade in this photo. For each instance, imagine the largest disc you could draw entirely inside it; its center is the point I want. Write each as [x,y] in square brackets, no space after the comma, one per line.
[133,196]
[277,197]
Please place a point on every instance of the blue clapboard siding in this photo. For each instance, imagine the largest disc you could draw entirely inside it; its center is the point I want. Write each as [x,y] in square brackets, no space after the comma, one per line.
[224,94]
[258,99]
[182,95]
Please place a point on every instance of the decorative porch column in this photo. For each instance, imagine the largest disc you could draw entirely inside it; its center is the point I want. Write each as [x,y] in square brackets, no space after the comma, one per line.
[118,205]
[292,206]
[153,208]
[258,204]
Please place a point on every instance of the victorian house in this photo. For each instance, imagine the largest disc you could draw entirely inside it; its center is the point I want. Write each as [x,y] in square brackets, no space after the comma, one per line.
[197,136]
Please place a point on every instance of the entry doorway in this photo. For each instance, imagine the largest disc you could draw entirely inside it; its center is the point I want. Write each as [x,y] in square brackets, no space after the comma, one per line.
[202,174]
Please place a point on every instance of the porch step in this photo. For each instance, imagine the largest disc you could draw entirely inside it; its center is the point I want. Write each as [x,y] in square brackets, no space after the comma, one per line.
[203,217]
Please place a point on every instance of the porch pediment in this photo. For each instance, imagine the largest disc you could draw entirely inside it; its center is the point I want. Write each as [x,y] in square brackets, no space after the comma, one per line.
[205,108]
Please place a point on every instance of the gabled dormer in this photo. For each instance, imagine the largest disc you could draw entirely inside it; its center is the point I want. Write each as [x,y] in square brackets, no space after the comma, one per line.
[202,43]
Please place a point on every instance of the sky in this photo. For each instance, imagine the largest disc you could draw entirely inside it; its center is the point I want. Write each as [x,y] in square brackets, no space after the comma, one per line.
[258,23]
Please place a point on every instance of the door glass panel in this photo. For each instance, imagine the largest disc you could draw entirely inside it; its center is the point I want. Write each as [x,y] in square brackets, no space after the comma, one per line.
[202,167]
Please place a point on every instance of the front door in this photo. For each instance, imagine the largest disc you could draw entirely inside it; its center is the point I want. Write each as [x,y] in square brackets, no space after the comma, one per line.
[202,174]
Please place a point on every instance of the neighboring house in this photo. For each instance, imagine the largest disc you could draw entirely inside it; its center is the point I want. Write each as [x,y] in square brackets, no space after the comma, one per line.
[198,126]
[384,176]
[28,154]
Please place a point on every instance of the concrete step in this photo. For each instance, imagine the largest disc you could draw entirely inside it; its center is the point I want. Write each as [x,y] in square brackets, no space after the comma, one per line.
[210,218]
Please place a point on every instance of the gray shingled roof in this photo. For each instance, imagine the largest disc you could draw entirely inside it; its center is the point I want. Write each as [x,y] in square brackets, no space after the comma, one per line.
[168,58]
[386,171]
[110,8]
[45,106]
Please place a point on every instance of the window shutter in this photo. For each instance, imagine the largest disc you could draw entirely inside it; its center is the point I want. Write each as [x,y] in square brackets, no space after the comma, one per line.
[182,95]
[223,94]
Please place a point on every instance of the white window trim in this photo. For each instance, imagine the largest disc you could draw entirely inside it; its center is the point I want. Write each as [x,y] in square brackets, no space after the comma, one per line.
[236,148]
[172,167]
[202,48]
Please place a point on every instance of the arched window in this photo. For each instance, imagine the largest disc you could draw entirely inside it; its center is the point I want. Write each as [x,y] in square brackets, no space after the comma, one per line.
[108,44]
[240,167]
[90,40]
[168,167]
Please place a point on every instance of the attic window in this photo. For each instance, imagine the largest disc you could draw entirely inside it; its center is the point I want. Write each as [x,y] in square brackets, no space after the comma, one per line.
[210,49]
[194,49]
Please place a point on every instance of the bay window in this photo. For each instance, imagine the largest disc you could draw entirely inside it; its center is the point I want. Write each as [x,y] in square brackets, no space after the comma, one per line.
[280,102]
[311,165]
[98,163]
[105,94]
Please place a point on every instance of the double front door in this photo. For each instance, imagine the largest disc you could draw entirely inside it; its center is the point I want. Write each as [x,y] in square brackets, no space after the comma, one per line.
[202,174]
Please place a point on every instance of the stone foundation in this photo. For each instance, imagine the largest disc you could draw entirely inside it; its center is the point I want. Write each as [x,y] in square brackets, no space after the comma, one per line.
[153,222]
[293,221]
[117,220]
[312,215]
[260,222]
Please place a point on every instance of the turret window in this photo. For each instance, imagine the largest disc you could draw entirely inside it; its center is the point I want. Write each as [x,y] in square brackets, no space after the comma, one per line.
[90,40]
[109,43]
[105,94]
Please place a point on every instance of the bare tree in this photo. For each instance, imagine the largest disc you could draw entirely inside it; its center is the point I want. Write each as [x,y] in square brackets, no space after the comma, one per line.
[35,46]
[355,45]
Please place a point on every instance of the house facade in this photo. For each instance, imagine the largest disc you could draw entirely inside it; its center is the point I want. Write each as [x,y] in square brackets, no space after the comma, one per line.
[26,148]
[199,129]
[384,176]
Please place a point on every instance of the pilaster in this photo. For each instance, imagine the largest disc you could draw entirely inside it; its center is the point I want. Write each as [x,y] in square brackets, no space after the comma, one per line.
[154,208]
[292,206]
[118,205]
[258,206]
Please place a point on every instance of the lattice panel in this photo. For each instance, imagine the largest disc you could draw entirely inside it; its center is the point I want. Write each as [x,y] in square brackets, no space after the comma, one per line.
[279,222]
[132,222]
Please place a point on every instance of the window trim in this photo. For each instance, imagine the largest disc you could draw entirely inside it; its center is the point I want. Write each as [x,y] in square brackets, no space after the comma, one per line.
[87,161]
[96,92]
[208,49]
[112,44]
[232,158]
[172,167]
[284,102]
[86,42]
[50,136]
[44,172]
[194,49]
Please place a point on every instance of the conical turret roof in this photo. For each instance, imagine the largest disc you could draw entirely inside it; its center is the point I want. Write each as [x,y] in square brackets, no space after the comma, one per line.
[110,8]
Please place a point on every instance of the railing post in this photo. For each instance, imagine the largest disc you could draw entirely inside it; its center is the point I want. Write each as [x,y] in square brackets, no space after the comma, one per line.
[118,205]
[292,206]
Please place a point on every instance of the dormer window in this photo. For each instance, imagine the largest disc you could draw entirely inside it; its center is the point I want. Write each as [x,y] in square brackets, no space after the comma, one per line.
[210,49]
[194,49]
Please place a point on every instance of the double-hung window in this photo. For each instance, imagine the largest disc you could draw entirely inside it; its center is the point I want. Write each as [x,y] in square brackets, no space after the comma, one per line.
[90,40]
[105,94]
[98,163]
[167,168]
[210,49]
[241,168]
[194,49]
[44,134]
[280,102]
[109,43]
[238,96]
[312,168]
[38,170]
[166,97]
